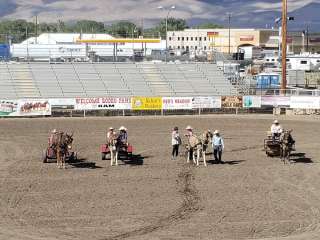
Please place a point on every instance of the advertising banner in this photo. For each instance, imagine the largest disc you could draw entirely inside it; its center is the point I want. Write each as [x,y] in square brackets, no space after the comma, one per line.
[251,101]
[275,101]
[206,102]
[146,103]
[34,107]
[231,101]
[176,103]
[103,103]
[8,108]
[62,102]
[305,102]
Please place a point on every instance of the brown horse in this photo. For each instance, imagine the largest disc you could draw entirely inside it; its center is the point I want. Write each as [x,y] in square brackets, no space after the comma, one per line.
[63,144]
[286,146]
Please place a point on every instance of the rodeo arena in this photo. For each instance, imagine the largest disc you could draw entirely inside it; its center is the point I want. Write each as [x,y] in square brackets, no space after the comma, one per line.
[148,138]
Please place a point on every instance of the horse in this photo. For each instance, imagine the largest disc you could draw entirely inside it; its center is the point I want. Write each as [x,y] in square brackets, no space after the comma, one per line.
[286,145]
[198,147]
[113,148]
[63,143]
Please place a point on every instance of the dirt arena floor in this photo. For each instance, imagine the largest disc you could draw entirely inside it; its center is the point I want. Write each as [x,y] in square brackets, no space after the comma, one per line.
[251,196]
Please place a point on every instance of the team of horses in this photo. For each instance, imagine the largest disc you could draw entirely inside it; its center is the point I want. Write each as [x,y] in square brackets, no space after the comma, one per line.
[196,147]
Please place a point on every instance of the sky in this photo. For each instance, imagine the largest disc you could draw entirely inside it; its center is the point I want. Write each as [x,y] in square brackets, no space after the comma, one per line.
[245,13]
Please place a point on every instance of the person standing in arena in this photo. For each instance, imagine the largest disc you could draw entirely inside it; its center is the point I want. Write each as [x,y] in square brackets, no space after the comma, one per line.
[218,146]
[176,142]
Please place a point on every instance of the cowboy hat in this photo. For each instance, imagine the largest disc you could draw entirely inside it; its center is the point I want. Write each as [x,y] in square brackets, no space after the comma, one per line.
[216,132]
[189,128]
[54,131]
[122,128]
[275,121]
[111,128]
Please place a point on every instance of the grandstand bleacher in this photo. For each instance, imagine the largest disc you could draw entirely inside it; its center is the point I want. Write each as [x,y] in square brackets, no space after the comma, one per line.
[64,80]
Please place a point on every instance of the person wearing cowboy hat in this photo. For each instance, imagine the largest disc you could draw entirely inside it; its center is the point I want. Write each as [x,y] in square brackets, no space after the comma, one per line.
[276,130]
[52,137]
[189,131]
[218,146]
[123,135]
[175,141]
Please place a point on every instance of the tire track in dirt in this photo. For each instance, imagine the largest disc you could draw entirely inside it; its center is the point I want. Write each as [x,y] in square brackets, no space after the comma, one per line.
[190,205]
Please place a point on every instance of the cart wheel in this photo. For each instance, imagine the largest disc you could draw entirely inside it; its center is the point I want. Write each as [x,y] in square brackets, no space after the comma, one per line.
[103,156]
[44,156]
[129,156]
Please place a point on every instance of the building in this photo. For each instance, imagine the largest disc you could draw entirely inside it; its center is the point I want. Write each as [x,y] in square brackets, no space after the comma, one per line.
[82,47]
[223,40]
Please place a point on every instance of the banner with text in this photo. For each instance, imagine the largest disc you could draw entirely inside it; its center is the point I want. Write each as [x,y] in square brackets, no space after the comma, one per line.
[302,102]
[176,103]
[251,101]
[9,108]
[103,103]
[206,102]
[231,101]
[146,103]
[275,101]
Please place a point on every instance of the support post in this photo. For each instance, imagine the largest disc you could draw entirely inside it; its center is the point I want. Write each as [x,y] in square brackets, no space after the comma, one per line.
[284,47]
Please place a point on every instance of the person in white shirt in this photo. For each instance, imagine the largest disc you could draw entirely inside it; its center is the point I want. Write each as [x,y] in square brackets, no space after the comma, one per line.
[276,129]
[218,146]
[175,141]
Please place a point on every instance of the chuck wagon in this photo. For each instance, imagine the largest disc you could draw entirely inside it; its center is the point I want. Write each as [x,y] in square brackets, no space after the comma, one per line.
[124,151]
[50,153]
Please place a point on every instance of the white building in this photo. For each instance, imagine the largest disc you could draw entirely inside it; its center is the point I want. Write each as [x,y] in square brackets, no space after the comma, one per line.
[222,40]
[66,46]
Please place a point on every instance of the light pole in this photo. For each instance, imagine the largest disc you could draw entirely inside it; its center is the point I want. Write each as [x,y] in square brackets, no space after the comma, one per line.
[167,16]
[229,25]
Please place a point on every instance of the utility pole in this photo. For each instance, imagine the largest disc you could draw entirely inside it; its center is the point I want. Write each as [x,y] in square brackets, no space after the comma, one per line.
[284,46]
[36,29]
[307,37]
[229,23]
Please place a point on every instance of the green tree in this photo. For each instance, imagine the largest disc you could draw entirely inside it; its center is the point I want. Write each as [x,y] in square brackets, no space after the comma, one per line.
[208,25]
[123,29]
[88,26]
[174,24]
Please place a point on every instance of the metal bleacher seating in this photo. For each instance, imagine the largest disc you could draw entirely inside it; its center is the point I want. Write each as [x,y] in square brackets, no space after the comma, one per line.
[63,80]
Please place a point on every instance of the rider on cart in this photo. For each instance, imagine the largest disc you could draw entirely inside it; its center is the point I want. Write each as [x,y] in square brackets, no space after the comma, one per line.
[276,130]
[123,136]
[52,137]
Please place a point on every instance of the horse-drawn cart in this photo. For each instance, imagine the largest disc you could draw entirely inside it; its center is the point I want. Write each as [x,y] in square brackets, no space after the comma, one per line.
[124,150]
[272,147]
[50,153]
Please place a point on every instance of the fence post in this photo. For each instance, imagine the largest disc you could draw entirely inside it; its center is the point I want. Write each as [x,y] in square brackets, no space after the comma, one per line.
[123,113]
[199,111]
[84,113]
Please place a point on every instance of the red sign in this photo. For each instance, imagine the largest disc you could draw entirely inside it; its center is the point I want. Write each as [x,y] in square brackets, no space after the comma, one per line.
[246,38]
[315,40]
[212,34]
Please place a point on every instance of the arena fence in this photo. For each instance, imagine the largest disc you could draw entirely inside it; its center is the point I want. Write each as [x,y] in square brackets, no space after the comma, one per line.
[139,106]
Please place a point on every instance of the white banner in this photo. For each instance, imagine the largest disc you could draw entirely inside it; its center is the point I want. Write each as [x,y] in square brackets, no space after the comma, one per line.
[175,103]
[116,103]
[62,102]
[34,107]
[206,102]
[9,108]
[251,101]
[302,102]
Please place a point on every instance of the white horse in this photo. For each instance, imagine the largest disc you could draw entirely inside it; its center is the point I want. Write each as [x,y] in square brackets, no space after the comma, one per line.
[198,147]
[112,145]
